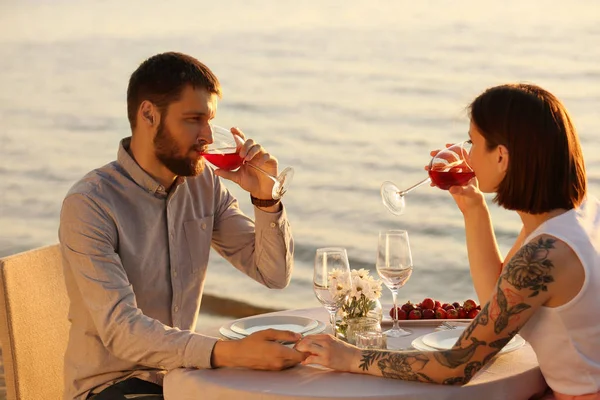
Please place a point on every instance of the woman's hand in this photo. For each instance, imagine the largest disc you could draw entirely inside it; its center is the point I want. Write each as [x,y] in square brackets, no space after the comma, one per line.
[466,197]
[330,352]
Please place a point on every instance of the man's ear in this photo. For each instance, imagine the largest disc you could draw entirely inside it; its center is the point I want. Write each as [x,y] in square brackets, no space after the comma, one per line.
[148,112]
[502,158]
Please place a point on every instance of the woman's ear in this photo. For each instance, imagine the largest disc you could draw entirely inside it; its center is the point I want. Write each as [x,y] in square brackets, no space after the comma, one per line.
[502,158]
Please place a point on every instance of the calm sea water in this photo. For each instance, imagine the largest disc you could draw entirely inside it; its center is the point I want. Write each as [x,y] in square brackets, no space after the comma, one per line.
[349,93]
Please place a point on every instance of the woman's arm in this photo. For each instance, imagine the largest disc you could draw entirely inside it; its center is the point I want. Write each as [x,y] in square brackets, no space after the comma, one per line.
[485,260]
[528,281]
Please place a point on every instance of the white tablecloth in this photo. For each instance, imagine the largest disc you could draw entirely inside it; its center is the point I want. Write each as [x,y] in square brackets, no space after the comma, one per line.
[513,375]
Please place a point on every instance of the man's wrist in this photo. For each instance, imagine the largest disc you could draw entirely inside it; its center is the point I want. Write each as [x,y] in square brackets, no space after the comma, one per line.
[264,203]
[221,354]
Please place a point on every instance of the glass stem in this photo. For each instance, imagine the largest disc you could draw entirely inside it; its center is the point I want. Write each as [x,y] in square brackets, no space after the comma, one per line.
[261,170]
[332,322]
[413,187]
[396,325]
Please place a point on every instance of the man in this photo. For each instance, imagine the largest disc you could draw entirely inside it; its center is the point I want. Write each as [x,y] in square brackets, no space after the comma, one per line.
[135,237]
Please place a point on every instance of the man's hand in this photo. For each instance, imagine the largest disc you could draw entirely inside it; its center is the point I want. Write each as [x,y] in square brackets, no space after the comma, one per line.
[261,350]
[250,179]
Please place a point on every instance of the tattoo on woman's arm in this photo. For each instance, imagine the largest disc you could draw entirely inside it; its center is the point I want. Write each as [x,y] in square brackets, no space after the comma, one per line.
[458,356]
[481,319]
[403,366]
[470,370]
[506,311]
[530,267]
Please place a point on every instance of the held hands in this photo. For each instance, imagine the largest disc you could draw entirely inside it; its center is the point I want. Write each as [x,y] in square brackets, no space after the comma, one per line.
[258,184]
[466,197]
[261,350]
[330,352]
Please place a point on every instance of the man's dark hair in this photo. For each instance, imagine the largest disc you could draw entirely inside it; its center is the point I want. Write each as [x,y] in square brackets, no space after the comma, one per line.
[161,79]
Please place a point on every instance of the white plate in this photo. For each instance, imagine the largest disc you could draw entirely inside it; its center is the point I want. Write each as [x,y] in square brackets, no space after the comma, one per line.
[442,340]
[282,322]
[228,333]
[448,338]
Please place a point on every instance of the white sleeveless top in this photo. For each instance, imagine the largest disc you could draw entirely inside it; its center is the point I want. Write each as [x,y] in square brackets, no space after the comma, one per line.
[566,339]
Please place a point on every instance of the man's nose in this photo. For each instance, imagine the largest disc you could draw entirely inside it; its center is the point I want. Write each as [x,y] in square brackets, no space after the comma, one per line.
[206,134]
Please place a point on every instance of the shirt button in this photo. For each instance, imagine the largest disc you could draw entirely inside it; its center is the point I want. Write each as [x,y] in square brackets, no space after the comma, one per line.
[172,235]
[176,309]
[203,226]
[273,224]
[175,274]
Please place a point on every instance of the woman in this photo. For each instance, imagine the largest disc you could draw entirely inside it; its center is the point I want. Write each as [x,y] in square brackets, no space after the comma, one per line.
[526,150]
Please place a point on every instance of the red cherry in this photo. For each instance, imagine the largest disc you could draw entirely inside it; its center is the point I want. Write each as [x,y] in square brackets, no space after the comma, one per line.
[469,305]
[428,314]
[428,304]
[408,307]
[414,314]
[440,313]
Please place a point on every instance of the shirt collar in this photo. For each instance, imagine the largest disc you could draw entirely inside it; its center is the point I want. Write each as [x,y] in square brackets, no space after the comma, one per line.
[141,177]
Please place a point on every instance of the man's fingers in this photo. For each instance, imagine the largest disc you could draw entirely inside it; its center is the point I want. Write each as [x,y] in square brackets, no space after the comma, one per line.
[262,160]
[230,175]
[278,335]
[238,132]
[253,151]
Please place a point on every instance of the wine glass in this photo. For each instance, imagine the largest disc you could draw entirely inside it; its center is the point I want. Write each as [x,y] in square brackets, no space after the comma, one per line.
[223,153]
[331,280]
[449,167]
[394,266]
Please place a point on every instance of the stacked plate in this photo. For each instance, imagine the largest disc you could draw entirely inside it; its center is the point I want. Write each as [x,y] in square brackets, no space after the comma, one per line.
[445,340]
[243,327]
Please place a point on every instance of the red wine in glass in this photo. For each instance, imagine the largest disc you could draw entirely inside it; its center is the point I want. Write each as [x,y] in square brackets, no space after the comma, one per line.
[223,153]
[449,167]
[228,161]
[446,179]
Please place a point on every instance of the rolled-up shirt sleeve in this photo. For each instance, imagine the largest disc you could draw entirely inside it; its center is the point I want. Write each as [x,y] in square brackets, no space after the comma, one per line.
[89,241]
[262,249]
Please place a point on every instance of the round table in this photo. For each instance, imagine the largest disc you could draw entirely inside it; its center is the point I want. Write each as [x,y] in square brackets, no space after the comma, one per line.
[515,375]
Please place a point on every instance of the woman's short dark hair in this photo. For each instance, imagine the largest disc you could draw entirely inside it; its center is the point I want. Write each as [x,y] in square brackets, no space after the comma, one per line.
[546,169]
[161,79]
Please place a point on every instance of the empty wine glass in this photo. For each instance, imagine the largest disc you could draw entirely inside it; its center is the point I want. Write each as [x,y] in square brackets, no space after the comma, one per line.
[449,167]
[394,266]
[331,280]
[223,153]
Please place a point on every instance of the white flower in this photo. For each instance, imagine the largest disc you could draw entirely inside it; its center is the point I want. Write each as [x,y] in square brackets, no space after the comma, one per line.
[337,275]
[375,288]
[338,289]
[359,287]
[362,273]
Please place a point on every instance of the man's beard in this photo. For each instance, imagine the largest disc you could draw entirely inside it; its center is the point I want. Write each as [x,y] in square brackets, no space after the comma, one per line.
[168,153]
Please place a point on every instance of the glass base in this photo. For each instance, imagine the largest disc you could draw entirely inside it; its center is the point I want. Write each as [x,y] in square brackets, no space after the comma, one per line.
[390,195]
[282,183]
[396,333]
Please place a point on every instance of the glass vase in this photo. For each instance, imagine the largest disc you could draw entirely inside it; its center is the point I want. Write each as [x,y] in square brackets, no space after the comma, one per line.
[376,311]
[360,325]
